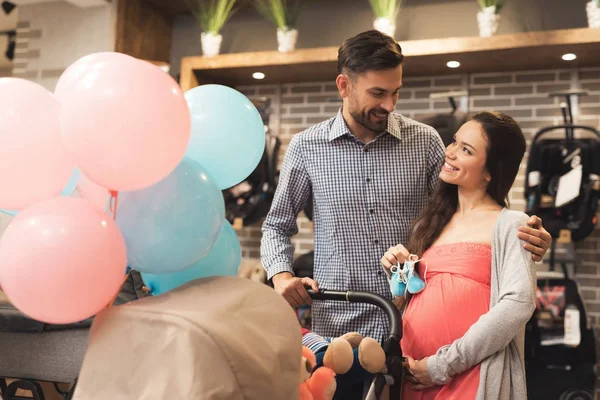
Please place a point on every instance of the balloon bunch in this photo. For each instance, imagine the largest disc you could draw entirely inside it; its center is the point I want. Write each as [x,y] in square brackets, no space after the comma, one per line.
[148,162]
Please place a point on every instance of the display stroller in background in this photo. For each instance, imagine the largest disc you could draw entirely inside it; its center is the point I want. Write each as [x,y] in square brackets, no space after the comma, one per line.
[562,163]
[562,187]
[251,199]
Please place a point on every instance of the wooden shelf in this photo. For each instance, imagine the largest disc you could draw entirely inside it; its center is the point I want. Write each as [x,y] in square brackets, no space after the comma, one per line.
[165,66]
[512,52]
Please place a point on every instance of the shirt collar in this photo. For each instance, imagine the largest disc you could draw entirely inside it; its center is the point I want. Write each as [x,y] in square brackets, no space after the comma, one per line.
[393,127]
[340,128]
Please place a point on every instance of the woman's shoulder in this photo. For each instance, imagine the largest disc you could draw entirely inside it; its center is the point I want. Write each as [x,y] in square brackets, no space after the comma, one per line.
[509,219]
[505,236]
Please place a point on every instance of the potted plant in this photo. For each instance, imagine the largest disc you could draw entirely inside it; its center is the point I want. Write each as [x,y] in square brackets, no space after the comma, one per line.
[489,16]
[284,14]
[212,16]
[386,12]
[593,13]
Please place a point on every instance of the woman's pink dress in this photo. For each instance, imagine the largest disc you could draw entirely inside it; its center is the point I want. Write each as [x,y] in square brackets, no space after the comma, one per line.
[456,294]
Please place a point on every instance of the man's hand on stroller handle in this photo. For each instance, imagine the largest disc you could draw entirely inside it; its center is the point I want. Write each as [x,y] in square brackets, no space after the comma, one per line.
[394,255]
[294,289]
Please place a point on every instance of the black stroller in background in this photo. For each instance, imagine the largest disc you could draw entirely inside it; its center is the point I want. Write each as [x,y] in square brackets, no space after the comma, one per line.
[561,365]
[250,200]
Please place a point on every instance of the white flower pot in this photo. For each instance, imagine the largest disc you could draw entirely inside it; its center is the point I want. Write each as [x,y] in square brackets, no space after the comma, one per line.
[385,25]
[593,14]
[488,21]
[211,44]
[286,39]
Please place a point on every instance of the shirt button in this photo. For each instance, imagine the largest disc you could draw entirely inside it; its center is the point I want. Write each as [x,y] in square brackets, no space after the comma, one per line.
[368,179]
[376,241]
[372,211]
[379,272]
[366,150]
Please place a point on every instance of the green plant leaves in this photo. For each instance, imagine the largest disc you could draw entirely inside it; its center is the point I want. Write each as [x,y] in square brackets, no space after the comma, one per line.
[489,3]
[213,14]
[283,13]
[386,8]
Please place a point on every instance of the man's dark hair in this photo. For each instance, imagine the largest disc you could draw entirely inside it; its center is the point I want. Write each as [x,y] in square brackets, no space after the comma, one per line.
[369,51]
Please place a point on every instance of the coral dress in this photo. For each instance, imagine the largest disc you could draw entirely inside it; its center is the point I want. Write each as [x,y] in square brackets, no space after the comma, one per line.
[456,294]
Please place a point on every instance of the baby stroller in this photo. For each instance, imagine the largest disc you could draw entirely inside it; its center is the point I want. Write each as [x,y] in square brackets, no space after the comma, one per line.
[561,361]
[37,356]
[393,377]
[219,338]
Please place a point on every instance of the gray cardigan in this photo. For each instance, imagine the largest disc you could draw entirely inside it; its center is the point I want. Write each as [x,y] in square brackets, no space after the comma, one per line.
[497,339]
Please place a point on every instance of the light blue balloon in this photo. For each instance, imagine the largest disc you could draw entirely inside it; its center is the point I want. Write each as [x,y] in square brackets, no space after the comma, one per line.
[171,225]
[228,135]
[223,260]
[67,191]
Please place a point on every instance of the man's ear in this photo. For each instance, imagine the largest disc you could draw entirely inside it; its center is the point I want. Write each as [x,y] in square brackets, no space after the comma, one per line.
[343,84]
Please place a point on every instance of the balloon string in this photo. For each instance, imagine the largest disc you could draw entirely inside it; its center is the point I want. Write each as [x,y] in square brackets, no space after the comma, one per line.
[114,201]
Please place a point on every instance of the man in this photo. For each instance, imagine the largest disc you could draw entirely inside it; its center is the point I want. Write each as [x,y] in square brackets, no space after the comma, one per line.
[368,173]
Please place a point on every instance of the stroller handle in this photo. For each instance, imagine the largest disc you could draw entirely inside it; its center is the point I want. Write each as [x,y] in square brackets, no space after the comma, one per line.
[558,127]
[365,297]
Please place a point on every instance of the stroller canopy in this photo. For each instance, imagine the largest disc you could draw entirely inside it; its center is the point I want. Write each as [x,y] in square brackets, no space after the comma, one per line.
[214,338]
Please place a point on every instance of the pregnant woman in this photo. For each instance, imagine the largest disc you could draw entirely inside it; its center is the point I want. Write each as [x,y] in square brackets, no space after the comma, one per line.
[464,332]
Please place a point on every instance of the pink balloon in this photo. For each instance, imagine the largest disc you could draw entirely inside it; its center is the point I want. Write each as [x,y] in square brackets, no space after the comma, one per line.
[79,68]
[62,260]
[125,122]
[33,162]
[93,192]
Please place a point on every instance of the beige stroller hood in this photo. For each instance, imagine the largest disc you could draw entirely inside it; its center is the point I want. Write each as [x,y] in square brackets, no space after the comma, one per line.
[214,338]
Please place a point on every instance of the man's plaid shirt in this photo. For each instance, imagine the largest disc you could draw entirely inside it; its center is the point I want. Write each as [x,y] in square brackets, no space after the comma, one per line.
[365,198]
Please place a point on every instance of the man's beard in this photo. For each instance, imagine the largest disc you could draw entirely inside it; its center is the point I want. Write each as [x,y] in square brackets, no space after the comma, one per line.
[370,121]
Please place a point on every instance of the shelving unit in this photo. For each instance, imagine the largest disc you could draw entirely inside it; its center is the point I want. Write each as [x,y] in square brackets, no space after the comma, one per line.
[511,52]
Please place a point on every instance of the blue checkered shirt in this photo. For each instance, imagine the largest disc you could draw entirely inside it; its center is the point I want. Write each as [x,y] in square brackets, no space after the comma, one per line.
[365,197]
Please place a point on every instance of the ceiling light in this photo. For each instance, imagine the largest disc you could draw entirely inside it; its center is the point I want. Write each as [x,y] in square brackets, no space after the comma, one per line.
[258,75]
[453,64]
[7,6]
[569,57]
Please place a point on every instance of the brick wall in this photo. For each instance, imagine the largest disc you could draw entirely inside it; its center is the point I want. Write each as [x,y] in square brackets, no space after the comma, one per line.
[523,95]
[51,36]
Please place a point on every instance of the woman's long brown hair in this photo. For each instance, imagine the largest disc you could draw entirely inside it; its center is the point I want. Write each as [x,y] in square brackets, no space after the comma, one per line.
[505,149]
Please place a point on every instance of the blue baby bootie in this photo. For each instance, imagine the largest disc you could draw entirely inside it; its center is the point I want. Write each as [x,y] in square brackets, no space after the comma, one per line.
[414,283]
[398,281]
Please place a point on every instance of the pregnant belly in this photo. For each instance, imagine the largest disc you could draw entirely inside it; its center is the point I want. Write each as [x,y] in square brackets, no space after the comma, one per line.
[442,313]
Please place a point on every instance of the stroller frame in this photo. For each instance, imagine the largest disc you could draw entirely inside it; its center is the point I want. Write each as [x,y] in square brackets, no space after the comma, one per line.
[391,345]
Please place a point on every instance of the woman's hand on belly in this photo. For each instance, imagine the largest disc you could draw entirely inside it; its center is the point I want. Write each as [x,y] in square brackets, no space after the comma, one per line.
[418,373]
